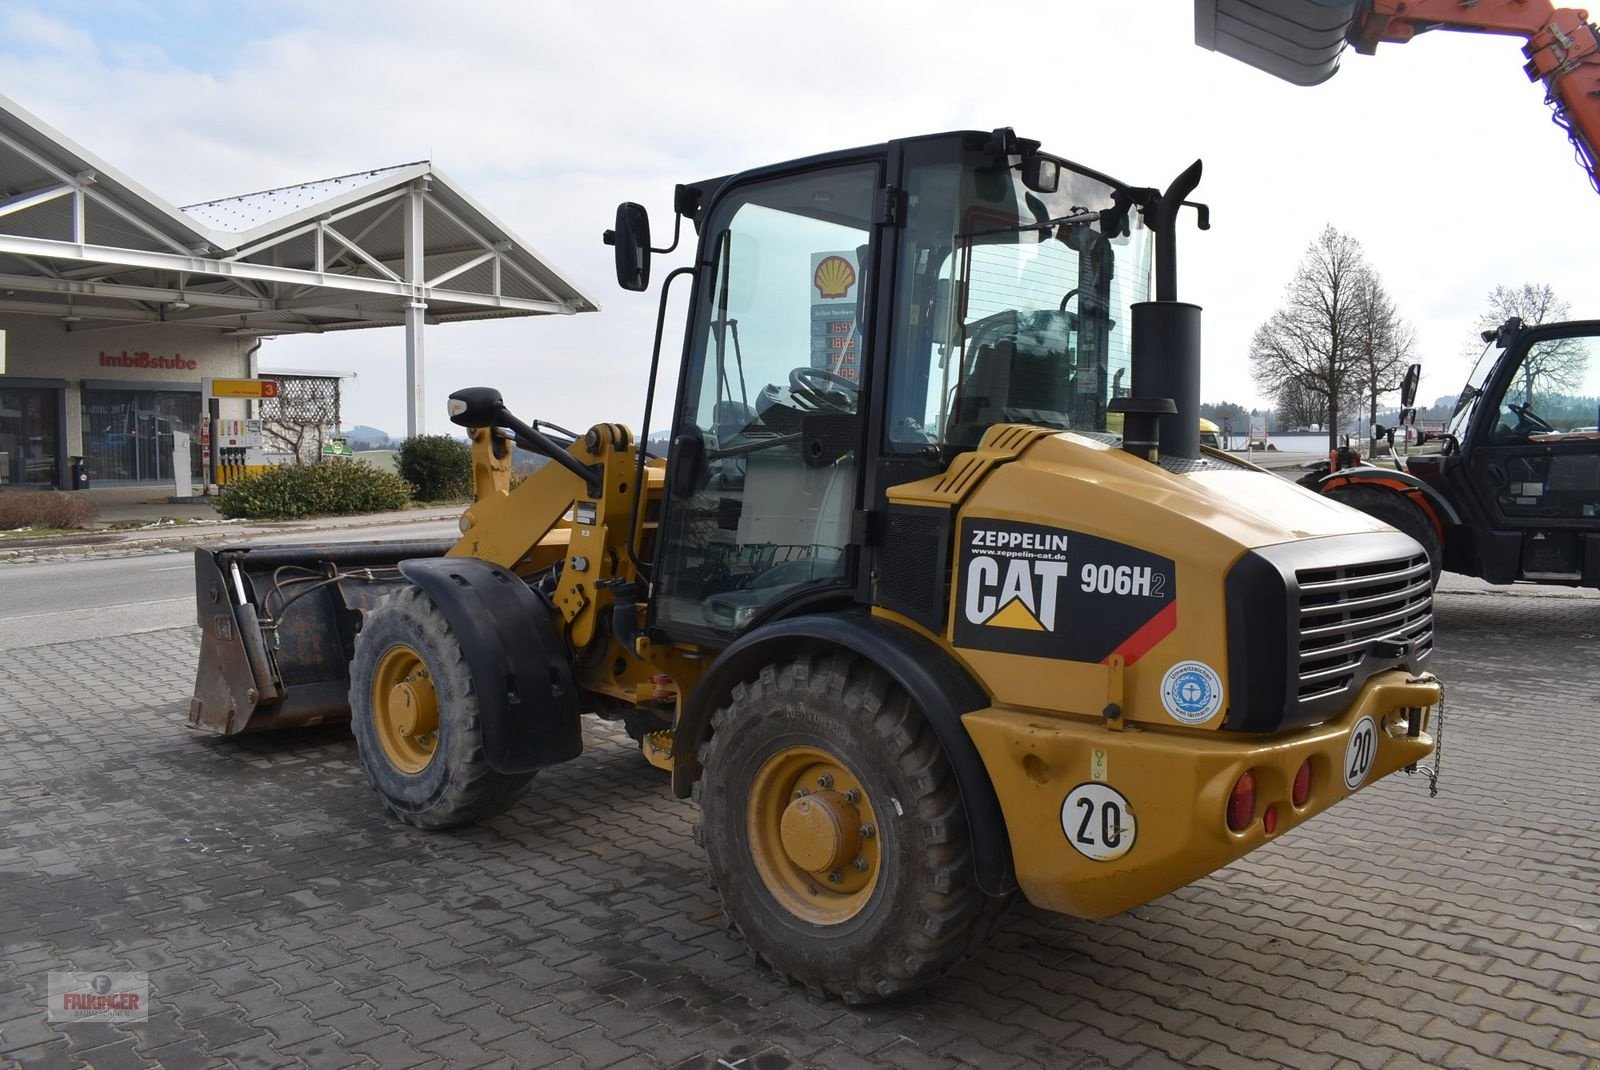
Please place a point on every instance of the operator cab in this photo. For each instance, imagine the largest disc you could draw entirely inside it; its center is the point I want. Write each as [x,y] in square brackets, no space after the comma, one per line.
[857,321]
[1525,422]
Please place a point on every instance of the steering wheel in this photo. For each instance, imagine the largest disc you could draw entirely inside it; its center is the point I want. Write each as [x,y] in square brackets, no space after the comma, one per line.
[822,389]
[1526,414]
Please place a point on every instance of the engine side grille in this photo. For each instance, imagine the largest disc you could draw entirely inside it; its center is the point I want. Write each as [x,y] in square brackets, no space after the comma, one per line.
[913,564]
[1349,612]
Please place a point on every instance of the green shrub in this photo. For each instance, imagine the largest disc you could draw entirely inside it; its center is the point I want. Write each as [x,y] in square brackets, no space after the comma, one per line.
[440,467]
[44,509]
[333,488]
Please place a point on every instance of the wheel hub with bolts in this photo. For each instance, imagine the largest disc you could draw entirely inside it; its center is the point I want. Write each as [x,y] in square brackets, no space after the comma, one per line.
[819,832]
[812,835]
[405,709]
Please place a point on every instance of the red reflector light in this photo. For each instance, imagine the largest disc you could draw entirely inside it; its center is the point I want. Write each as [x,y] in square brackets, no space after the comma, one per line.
[1302,784]
[1242,803]
[1269,820]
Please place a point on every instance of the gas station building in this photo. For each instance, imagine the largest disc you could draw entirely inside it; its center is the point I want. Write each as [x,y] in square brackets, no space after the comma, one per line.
[119,309]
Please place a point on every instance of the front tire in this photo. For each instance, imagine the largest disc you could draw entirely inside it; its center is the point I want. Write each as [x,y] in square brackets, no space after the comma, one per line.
[834,830]
[414,712]
[1394,509]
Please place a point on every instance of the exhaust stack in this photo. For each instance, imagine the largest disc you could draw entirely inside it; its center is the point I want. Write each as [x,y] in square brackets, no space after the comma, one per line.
[1166,364]
[1166,333]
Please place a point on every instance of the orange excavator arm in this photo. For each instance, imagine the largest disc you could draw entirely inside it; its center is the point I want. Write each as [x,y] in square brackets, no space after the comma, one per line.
[1300,40]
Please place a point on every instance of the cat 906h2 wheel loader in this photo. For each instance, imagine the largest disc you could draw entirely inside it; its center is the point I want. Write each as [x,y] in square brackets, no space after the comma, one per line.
[914,625]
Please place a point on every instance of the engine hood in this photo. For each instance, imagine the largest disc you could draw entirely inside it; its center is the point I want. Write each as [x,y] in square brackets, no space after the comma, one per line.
[1249,506]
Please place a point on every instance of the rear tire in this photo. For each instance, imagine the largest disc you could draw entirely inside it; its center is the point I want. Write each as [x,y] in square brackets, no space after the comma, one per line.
[1394,509]
[859,917]
[414,712]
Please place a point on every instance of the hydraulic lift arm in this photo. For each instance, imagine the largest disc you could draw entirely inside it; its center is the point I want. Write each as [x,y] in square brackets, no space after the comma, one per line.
[1299,40]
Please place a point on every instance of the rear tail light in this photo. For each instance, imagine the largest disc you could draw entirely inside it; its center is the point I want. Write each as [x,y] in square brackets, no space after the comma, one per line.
[1269,820]
[1302,784]
[1242,802]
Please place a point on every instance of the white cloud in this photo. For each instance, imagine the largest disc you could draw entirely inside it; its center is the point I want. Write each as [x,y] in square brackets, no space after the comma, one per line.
[1437,155]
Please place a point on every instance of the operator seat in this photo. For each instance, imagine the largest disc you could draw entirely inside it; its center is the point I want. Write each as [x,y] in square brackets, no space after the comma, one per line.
[1012,383]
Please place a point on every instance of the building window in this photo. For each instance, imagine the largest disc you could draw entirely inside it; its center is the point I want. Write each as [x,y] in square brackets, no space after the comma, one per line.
[29,437]
[127,434]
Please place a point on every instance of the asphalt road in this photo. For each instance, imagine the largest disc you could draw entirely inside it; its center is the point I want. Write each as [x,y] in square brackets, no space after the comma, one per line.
[75,600]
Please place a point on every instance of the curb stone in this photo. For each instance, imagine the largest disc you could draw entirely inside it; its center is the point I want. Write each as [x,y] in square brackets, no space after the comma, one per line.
[132,544]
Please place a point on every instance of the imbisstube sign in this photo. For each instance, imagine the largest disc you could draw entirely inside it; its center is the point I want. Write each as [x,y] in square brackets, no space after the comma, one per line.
[148,361]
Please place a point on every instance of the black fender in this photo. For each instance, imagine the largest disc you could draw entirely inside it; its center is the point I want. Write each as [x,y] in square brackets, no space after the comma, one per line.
[527,700]
[940,687]
[1435,506]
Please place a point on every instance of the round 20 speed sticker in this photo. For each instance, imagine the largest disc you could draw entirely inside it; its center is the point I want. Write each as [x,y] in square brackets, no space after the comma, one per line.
[1098,822]
[1192,692]
[1360,752]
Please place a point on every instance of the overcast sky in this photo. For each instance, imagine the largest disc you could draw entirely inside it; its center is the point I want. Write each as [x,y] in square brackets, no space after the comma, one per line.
[1438,156]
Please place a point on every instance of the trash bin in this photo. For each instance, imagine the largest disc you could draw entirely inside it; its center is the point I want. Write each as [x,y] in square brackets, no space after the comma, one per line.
[77,474]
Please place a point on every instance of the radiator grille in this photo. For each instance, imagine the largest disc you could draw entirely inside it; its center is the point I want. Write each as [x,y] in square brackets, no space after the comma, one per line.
[1346,612]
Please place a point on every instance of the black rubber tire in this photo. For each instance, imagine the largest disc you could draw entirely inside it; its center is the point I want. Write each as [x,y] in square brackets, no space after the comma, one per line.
[457,787]
[926,913]
[1394,509]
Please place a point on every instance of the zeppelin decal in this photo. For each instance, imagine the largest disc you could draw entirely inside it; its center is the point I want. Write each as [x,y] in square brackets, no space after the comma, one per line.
[1030,589]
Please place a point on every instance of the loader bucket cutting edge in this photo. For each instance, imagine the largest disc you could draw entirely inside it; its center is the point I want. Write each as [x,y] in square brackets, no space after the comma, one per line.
[277,629]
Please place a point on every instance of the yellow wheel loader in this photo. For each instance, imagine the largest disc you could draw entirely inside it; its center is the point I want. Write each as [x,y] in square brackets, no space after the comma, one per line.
[912,626]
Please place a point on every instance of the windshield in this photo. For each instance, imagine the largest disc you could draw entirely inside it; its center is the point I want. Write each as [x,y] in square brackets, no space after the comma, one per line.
[1476,382]
[1552,392]
[1016,303]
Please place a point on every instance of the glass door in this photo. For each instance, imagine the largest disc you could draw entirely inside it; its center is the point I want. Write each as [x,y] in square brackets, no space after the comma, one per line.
[1540,457]
[29,437]
[127,434]
[763,476]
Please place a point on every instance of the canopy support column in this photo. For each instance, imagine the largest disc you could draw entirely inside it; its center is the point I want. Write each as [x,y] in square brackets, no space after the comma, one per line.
[416,308]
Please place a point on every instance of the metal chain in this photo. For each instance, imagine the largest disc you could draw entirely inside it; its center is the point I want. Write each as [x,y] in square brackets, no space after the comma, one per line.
[1438,750]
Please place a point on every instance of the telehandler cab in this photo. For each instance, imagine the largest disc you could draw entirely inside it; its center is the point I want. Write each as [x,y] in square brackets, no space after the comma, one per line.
[1512,494]
[912,626]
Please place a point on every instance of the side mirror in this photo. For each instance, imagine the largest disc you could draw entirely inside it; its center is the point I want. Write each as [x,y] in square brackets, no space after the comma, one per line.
[631,238]
[477,406]
[1408,417]
[1041,174]
[1408,386]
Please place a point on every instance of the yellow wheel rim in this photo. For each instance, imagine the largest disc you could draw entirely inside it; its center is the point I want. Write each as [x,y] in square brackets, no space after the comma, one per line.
[405,709]
[813,835]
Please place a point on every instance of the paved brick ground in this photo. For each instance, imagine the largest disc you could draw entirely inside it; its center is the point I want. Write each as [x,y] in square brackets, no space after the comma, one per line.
[284,921]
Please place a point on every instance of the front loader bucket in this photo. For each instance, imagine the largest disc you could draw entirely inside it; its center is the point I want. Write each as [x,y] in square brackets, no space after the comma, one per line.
[278,627]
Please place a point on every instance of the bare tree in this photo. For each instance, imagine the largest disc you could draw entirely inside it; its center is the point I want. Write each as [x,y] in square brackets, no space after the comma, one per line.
[1557,366]
[1308,346]
[1383,343]
[1295,407]
[1532,303]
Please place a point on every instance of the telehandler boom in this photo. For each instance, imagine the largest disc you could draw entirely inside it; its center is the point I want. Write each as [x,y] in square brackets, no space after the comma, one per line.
[915,629]
[1301,41]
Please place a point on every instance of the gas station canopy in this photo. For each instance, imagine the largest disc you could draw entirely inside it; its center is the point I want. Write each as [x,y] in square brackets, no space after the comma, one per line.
[392,246]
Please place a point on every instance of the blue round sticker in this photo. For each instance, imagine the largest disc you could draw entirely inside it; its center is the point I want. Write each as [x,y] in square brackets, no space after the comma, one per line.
[1191,692]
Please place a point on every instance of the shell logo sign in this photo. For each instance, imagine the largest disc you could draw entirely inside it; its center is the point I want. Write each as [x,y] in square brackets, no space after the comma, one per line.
[834,277]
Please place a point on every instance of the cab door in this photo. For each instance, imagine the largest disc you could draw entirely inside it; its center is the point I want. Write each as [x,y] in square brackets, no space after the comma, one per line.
[764,474]
[1535,456]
